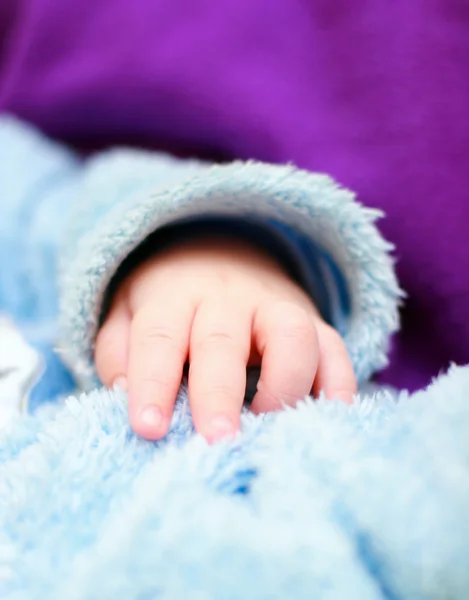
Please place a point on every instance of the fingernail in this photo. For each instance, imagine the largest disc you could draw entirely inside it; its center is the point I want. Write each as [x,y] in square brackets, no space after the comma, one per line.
[220,427]
[120,382]
[151,416]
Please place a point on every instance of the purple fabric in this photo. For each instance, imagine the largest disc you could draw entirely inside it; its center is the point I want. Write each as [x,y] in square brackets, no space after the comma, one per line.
[374,93]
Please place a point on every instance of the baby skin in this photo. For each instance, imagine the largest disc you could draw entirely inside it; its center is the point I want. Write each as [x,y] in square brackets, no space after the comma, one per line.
[218,306]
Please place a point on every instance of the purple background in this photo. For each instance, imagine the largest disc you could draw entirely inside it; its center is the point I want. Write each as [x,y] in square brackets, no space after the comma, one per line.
[375,93]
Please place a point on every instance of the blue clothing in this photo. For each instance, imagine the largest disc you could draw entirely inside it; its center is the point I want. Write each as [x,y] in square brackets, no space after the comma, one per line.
[68,224]
[367,502]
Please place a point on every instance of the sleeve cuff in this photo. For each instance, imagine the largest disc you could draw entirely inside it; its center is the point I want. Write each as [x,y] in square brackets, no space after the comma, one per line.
[343,259]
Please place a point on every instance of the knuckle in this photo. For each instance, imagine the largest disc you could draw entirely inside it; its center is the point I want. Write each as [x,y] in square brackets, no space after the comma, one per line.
[220,391]
[157,335]
[162,381]
[159,332]
[296,323]
[214,339]
[279,397]
[331,336]
[333,333]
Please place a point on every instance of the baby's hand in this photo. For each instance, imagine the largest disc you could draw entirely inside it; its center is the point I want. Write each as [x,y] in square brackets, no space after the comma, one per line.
[220,306]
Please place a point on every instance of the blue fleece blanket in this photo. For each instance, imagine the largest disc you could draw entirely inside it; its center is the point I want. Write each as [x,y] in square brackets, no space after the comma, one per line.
[325,501]
[322,502]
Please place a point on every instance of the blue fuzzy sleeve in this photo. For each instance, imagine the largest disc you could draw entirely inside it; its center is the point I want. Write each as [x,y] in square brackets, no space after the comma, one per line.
[89,216]
[127,195]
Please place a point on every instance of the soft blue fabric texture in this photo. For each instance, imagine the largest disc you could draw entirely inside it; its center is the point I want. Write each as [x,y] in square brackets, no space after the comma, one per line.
[37,189]
[326,501]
